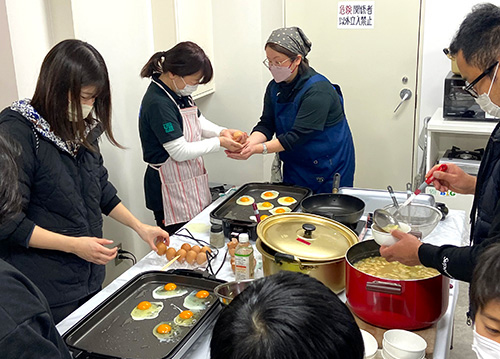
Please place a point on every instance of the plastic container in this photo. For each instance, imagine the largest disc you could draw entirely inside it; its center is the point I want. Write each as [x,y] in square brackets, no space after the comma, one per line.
[244,259]
[217,236]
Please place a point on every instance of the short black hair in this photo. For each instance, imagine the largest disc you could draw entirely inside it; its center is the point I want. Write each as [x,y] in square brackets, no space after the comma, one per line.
[10,199]
[184,59]
[287,315]
[485,285]
[479,36]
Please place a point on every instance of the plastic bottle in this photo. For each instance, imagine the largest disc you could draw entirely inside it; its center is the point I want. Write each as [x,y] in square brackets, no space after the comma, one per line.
[217,236]
[244,260]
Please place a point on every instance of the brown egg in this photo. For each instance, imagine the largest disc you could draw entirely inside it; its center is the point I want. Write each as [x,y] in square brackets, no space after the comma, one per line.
[201,258]
[206,249]
[196,249]
[182,255]
[186,247]
[191,256]
[171,252]
[162,248]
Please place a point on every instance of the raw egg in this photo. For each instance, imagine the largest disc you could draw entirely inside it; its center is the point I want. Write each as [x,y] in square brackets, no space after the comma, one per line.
[196,249]
[162,248]
[182,255]
[237,135]
[201,258]
[262,206]
[287,201]
[166,332]
[191,256]
[197,300]
[146,310]
[278,210]
[205,249]
[185,318]
[245,201]
[269,194]
[186,247]
[169,290]
[171,253]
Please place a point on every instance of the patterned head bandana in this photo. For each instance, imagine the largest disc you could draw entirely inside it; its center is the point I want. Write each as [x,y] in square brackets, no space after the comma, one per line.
[292,39]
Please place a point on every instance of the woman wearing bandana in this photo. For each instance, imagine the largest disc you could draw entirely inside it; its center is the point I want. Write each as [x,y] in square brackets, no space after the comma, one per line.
[306,113]
[175,135]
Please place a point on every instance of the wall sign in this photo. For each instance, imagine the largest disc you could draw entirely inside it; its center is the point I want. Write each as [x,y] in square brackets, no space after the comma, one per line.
[356,15]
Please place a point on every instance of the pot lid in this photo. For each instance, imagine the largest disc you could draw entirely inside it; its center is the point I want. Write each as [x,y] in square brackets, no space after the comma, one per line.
[306,236]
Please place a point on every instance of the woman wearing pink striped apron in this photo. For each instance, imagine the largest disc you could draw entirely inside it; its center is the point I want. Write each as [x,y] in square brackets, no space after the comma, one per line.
[175,135]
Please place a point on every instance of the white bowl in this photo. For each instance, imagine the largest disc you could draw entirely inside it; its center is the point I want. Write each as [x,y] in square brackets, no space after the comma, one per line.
[403,344]
[371,345]
[384,238]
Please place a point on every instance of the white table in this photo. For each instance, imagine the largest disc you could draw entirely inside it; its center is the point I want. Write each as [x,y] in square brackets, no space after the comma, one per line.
[449,231]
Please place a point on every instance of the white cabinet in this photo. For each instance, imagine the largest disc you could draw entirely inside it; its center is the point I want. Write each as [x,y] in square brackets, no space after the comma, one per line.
[442,135]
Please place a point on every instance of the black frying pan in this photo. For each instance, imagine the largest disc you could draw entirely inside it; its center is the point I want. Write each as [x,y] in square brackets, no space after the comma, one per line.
[342,208]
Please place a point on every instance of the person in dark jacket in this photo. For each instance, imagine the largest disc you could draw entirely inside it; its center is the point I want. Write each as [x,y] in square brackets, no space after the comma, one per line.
[306,113]
[476,47]
[27,330]
[56,241]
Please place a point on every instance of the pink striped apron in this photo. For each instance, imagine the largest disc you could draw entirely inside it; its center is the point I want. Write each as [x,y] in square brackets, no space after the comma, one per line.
[184,188]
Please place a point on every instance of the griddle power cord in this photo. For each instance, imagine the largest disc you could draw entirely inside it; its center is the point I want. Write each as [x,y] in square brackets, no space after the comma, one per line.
[123,254]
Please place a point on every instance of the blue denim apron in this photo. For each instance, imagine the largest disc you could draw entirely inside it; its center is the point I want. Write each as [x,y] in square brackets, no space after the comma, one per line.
[313,164]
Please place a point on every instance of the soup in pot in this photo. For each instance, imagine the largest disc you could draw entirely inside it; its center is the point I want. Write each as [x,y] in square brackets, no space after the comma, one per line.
[380,267]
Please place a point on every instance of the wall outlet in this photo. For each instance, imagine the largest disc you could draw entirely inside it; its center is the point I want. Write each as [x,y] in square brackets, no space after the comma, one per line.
[118,260]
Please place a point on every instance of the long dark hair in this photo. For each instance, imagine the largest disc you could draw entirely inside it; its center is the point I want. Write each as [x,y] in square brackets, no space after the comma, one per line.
[304,64]
[10,199]
[69,66]
[185,58]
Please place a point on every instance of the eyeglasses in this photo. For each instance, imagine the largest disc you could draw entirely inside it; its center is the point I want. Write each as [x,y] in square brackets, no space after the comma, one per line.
[470,86]
[268,63]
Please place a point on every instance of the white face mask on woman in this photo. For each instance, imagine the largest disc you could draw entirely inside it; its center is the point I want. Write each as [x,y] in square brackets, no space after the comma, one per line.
[280,73]
[485,348]
[485,102]
[187,90]
[86,109]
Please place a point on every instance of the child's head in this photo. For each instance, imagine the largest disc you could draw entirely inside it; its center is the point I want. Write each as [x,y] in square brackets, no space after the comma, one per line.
[485,294]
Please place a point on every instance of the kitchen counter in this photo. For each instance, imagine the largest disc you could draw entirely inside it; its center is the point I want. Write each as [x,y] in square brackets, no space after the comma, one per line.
[449,231]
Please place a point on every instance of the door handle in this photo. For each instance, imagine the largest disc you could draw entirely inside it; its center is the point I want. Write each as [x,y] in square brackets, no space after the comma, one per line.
[405,95]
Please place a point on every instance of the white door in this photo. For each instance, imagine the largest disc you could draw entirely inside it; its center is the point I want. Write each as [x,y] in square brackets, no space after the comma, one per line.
[372,66]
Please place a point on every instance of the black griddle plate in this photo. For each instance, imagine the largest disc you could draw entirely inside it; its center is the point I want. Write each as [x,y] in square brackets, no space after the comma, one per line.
[110,332]
[235,217]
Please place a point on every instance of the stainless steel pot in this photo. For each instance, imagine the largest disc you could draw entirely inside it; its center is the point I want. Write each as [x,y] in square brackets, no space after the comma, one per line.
[305,243]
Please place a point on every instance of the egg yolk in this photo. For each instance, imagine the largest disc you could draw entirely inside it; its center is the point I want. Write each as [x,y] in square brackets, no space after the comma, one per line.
[202,294]
[280,210]
[288,199]
[144,305]
[164,329]
[268,194]
[266,204]
[264,216]
[244,199]
[170,286]
[186,314]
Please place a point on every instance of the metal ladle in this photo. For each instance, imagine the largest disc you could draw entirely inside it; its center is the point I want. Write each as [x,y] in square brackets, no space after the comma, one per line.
[384,220]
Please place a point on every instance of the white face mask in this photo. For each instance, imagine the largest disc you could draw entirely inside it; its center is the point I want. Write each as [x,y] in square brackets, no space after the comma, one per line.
[485,348]
[485,102]
[86,109]
[280,73]
[187,90]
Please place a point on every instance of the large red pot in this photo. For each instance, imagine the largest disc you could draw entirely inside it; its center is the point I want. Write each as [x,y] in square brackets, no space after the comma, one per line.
[395,304]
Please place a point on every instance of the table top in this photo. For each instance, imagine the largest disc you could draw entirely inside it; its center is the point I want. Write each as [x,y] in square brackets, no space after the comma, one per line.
[449,231]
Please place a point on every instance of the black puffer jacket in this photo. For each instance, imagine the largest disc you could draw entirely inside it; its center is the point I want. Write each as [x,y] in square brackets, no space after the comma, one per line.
[459,262]
[62,193]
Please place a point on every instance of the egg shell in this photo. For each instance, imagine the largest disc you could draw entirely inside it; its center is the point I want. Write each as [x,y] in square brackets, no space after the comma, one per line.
[206,249]
[196,249]
[201,258]
[233,264]
[162,248]
[182,255]
[231,251]
[186,246]
[170,253]
[191,256]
